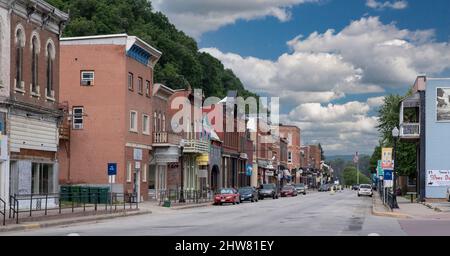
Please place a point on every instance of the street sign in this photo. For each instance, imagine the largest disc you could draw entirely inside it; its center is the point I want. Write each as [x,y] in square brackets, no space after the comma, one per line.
[388,178]
[356,158]
[380,170]
[112,169]
[249,170]
[137,154]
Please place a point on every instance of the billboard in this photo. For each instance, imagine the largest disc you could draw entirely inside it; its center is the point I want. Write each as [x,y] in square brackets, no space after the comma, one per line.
[438,178]
[443,105]
[387,162]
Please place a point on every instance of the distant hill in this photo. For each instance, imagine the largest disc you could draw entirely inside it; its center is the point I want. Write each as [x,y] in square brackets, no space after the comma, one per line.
[343,157]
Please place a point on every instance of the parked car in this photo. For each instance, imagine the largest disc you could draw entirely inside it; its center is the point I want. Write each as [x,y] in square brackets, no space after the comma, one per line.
[268,191]
[448,194]
[248,194]
[355,187]
[227,196]
[301,188]
[365,190]
[289,190]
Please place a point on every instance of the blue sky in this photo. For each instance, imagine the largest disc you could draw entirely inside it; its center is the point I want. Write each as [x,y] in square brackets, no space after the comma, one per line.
[331,62]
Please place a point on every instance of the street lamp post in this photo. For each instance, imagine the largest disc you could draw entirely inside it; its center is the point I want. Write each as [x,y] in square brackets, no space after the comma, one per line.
[182,199]
[395,135]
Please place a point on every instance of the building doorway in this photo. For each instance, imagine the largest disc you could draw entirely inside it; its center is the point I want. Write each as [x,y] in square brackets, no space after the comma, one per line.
[215,174]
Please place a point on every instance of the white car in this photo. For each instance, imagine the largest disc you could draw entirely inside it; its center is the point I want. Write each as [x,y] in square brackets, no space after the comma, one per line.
[365,190]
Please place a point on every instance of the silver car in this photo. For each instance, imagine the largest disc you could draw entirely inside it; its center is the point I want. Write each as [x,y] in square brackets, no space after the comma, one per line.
[365,190]
[448,194]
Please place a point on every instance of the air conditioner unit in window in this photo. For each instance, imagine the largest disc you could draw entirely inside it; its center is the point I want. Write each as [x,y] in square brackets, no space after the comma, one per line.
[86,83]
[78,126]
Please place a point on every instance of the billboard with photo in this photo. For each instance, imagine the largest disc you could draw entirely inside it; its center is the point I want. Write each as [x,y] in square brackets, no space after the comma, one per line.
[443,104]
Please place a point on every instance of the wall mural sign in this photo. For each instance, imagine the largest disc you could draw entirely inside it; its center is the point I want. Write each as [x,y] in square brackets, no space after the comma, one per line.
[443,104]
[438,178]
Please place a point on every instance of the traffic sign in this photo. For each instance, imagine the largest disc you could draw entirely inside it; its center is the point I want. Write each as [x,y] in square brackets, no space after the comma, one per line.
[112,169]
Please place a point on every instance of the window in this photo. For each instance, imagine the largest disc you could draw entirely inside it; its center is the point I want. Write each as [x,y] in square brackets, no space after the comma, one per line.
[147,88]
[159,122]
[41,178]
[87,78]
[77,118]
[130,81]
[289,157]
[20,44]
[129,167]
[146,124]
[140,86]
[133,121]
[144,173]
[50,60]
[34,65]
[155,122]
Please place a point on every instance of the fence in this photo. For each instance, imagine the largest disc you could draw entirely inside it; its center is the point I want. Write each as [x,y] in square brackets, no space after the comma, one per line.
[188,196]
[388,197]
[3,211]
[58,202]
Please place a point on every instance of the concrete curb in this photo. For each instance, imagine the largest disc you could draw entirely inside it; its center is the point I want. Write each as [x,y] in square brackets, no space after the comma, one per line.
[39,225]
[437,209]
[184,207]
[389,214]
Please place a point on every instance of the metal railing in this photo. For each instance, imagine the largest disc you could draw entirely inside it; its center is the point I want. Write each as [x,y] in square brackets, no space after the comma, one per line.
[189,196]
[58,202]
[388,198]
[3,210]
[160,137]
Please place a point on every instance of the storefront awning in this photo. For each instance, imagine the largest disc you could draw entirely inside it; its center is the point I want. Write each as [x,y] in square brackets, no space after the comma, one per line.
[167,155]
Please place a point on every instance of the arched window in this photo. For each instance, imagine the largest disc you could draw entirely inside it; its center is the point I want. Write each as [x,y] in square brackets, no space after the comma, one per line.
[154,122]
[159,123]
[50,55]
[20,44]
[34,64]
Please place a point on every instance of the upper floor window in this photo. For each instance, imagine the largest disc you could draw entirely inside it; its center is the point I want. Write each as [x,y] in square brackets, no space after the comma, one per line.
[34,64]
[130,81]
[140,86]
[290,157]
[147,88]
[20,44]
[50,55]
[145,124]
[78,118]
[155,117]
[133,121]
[164,123]
[87,78]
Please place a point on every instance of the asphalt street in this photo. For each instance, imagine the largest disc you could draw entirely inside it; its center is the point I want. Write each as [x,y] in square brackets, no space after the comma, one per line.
[316,214]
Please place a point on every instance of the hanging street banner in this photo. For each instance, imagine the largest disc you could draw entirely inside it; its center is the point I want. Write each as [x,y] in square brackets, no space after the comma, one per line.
[388,178]
[387,162]
[438,178]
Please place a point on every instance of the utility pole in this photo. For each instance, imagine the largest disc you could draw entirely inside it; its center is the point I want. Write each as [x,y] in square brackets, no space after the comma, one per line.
[356,160]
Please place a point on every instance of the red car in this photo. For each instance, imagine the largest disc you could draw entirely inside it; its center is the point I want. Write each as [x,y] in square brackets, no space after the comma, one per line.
[289,191]
[227,196]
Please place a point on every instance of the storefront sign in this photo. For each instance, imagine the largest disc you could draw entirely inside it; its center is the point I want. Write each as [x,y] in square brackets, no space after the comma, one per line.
[137,154]
[270,173]
[203,160]
[386,159]
[436,178]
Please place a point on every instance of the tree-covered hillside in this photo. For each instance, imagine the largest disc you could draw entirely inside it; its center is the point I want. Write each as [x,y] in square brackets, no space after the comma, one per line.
[181,63]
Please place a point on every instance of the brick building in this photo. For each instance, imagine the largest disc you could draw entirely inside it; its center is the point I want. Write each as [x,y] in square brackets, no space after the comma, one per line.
[29,91]
[293,136]
[107,82]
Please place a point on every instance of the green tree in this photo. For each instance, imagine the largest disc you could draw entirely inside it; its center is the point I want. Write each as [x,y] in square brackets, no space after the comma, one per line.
[388,115]
[350,177]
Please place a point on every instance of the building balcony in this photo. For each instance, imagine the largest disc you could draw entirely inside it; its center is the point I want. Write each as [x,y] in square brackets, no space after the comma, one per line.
[196,146]
[164,139]
[410,118]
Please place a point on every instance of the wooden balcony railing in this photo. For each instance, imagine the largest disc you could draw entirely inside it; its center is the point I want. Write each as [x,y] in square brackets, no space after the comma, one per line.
[164,138]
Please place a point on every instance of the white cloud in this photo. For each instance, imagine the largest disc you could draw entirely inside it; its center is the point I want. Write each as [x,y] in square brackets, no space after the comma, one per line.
[397,5]
[196,17]
[375,102]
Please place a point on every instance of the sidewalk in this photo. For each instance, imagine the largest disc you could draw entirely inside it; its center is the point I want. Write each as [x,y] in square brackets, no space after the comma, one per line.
[407,210]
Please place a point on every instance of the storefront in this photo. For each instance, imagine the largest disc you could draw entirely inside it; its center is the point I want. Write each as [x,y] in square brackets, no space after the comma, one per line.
[163,166]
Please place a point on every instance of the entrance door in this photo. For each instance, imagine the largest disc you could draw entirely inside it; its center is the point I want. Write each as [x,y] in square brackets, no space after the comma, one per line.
[161,178]
[215,174]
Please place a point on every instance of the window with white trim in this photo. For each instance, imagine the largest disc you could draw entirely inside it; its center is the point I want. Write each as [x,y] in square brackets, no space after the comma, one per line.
[130,81]
[129,168]
[78,118]
[20,44]
[155,122]
[140,85]
[87,78]
[133,121]
[164,123]
[34,65]
[289,157]
[146,124]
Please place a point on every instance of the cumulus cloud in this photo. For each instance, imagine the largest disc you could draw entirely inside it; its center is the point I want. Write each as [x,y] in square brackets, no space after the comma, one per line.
[397,5]
[198,16]
[376,102]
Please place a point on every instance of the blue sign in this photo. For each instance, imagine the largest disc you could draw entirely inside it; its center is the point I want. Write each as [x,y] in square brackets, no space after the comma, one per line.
[388,175]
[112,169]
[249,170]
